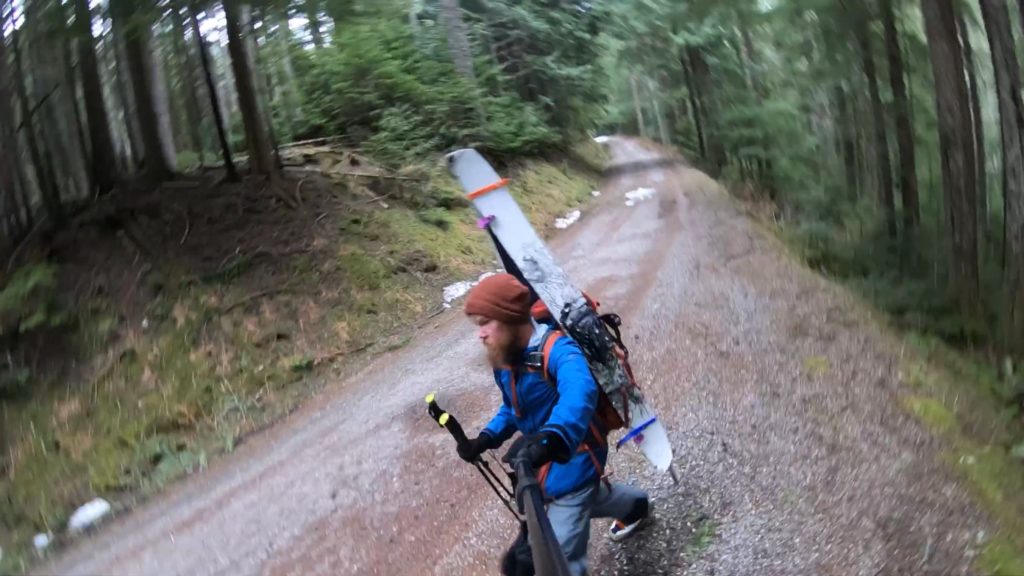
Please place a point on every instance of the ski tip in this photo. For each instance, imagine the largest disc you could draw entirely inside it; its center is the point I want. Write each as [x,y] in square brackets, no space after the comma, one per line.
[430,397]
[454,156]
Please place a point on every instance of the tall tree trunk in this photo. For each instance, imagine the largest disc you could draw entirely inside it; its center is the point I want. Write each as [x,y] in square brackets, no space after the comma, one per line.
[72,97]
[1011,125]
[258,140]
[658,115]
[955,144]
[102,166]
[904,128]
[695,107]
[881,147]
[976,123]
[458,39]
[313,16]
[261,74]
[140,60]
[45,178]
[846,140]
[187,70]
[161,91]
[701,80]
[287,84]
[638,107]
[124,91]
[231,174]
[52,97]
[10,155]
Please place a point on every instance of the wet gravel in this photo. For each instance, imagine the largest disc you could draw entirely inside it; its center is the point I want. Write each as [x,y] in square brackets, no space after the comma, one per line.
[781,395]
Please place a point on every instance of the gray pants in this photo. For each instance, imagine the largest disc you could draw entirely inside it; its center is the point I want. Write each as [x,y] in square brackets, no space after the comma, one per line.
[570,517]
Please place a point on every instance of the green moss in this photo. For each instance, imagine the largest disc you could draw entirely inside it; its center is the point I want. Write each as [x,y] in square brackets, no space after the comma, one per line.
[703,536]
[816,366]
[931,412]
[1000,558]
[977,434]
[362,270]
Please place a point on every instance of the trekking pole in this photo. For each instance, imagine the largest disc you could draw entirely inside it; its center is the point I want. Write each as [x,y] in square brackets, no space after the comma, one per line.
[548,559]
[448,422]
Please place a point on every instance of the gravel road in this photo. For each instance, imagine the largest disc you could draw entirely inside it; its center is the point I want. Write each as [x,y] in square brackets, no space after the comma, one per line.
[781,396]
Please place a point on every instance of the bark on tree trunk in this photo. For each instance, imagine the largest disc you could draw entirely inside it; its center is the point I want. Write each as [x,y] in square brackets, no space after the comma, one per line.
[956,156]
[881,147]
[257,138]
[124,90]
[846,137]
[137,44]
[264,86]
[976,124]
[161,92]
[640,123]
[102,166]
[45,178]
[658,115]
[10,155]
[695,107]
[458,39]
[904,128]
[313,16]
[1011,124]
[231,174]
[72,97]
[289,93]
[187,71]
[700,73]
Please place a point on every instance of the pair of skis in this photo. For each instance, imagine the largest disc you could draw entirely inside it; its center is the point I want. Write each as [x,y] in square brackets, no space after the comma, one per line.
[524,254]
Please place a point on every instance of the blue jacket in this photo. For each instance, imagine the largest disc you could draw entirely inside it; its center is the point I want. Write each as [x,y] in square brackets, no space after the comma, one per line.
[531,405]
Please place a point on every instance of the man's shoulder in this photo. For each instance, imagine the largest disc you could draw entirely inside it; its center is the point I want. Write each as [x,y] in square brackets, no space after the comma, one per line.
[565,347]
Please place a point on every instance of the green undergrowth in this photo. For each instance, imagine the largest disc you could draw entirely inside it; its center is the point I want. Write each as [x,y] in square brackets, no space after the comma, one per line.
[967,404]
[218,357]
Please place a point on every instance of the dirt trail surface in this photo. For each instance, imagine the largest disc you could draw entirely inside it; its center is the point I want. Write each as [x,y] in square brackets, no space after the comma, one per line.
[781,397]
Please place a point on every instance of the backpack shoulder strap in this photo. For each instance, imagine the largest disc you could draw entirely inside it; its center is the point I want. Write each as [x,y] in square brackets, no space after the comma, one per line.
[546,345]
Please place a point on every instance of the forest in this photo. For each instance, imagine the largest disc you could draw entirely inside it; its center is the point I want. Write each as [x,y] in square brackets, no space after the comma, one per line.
[883,139]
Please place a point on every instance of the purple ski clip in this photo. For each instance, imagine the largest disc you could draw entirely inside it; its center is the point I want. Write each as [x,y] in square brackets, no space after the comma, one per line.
[484,222]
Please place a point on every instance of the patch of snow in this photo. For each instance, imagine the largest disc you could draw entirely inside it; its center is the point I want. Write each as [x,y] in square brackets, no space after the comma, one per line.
[640,194]
[601,139]
[595,193]
[453,292]
[569,220]
[88,514]
[41,541]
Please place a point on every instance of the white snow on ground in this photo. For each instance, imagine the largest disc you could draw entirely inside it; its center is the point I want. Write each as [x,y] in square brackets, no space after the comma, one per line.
[88,514]
[453,292]
[41,541]
[595,193]
[601,139]
[569,220]
[638,195]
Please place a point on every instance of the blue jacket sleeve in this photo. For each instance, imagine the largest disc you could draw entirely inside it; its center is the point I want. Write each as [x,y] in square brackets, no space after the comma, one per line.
[577,394]
[502,426]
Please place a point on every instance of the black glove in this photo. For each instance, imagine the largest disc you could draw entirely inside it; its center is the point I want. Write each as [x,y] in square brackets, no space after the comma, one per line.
[538,449]
[471,450]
